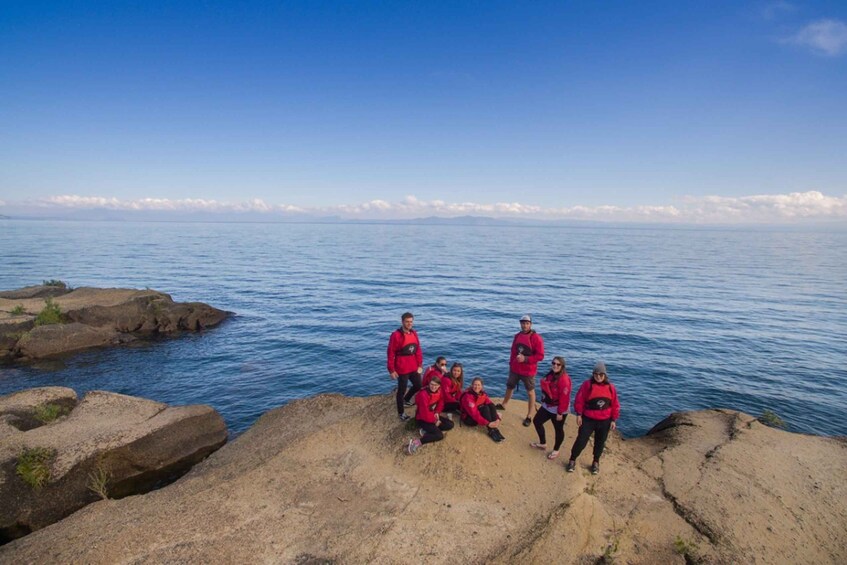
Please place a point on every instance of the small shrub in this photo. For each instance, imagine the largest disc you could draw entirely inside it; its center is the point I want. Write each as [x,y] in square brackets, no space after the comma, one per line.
[689,549]
[18,310]
[98,480]
[54,282]
[34,466]
[50,314]
[770,418]
[49,412]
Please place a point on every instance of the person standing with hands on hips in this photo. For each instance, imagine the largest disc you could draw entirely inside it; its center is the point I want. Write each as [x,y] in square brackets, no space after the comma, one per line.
[405,360]
[597,408]
[527,352]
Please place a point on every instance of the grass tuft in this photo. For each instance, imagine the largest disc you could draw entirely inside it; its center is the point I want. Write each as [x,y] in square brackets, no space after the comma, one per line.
[34,466]
[50,314]
[689,549]
[55,282]
[18,310]
[770,418]
[98,480]
[49,412]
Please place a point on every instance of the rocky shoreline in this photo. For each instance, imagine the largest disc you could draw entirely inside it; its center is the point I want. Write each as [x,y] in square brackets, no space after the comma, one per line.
[51,319]
[325,480]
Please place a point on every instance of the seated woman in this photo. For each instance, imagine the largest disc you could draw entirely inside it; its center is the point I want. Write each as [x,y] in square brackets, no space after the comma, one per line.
[451,387]
[597,407]
[428,406]
[478,410]
[439,368]
[556,396]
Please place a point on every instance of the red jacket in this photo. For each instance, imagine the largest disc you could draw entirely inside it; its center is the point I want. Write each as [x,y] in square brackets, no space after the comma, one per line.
[469,404]
[404,352]
[556,393]
[598,401]
[429,373]
[530,344]
[450,391]
[428,404]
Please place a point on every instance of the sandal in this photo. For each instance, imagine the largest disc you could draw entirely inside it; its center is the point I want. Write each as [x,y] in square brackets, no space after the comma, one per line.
[537,445]
[552,455]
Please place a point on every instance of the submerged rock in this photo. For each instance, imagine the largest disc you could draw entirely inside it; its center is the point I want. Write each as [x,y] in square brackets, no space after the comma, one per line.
[325,479]
[92,317]
[56,456]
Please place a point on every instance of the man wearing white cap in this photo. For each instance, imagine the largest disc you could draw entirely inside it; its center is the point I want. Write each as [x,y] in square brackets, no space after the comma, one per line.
[527,352]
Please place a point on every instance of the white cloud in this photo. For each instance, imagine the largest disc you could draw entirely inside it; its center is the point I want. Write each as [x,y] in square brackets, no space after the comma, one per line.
[826,37]
[757,209]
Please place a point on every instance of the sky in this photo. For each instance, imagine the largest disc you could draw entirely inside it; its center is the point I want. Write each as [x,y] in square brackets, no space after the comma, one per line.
[612,111]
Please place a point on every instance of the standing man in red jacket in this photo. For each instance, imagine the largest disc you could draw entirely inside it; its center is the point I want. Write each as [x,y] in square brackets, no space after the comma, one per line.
[405,360]
[527,352]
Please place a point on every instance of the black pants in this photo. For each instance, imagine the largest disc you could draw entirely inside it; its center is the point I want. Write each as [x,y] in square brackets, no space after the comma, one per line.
[541,418]
[487,411]
[451,406]
[600,429]
[433,432]
[402,381]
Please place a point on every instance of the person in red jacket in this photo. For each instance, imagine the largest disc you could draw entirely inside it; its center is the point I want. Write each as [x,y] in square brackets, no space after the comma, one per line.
[428,406]
[405,360]
[597,409]
[437,369]
[478,410]
[555,398]
[527,352]
[451,387]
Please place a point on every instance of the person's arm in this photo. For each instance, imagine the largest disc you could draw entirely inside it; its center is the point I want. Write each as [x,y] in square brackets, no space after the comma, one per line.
[564,394]
[579,404]
[390,355]
[537,349]
[419,354]
[616,407]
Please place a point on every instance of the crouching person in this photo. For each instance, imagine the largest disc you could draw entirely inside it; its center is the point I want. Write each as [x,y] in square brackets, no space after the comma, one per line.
[478,410]
[428,406]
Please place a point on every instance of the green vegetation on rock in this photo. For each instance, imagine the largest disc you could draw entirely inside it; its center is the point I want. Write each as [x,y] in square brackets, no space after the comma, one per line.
[55,282]
[50,314]
[49,412]
[770,418]
[34,466]
[18,310]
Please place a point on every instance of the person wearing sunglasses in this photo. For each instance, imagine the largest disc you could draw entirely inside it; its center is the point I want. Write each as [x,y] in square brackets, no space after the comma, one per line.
[597,409]
[437,369]
[555,399]
[428,406]
[527,352]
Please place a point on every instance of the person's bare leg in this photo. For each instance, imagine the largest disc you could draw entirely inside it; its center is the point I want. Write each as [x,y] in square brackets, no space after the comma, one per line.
[530,407]
[508,396]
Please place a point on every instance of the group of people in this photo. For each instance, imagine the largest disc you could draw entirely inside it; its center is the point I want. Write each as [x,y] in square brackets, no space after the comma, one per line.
[439,393]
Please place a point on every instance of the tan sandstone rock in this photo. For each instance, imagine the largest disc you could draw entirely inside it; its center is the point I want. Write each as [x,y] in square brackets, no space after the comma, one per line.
[131,444]
[325,479]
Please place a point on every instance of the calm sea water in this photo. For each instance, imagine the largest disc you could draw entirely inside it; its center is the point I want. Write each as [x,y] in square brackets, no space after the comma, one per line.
[684,318]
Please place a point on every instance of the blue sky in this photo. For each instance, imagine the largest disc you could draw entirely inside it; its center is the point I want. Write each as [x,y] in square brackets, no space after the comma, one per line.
[550,109]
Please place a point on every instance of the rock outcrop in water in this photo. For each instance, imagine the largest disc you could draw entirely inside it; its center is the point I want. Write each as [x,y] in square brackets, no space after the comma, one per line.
[57,455]
[325,480]
[91,317]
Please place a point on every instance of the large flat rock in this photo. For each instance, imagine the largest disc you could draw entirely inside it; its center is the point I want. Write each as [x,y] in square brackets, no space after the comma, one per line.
[325,479]
[92,317]
[131,443]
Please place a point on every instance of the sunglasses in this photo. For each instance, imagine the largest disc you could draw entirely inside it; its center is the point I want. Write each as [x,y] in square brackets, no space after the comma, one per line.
[556,364]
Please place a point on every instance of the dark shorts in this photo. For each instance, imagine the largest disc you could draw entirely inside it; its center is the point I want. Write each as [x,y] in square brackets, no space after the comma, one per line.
[514,379]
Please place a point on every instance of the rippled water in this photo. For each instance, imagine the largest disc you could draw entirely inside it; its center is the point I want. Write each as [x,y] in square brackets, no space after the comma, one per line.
[684,318]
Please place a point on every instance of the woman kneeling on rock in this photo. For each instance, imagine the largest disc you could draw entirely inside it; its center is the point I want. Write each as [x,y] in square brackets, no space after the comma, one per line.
[428,406]
[556,396]
[596,406]
[478,410]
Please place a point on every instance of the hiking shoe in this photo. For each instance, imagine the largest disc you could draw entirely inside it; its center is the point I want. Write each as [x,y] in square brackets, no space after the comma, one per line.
[500,436]
[403,417]
[571,466]
[526,422]
[408,403]
[595,467]
[499,406]
[414,445]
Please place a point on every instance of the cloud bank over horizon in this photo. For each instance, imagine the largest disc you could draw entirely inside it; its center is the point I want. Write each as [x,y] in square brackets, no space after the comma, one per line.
[796,207]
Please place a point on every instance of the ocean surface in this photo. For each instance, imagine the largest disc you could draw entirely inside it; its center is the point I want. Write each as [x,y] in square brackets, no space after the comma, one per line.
[684,318]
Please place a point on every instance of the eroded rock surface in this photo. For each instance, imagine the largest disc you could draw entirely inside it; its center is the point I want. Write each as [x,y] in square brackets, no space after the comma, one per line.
[325,479]
[92,317]
[128,444]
